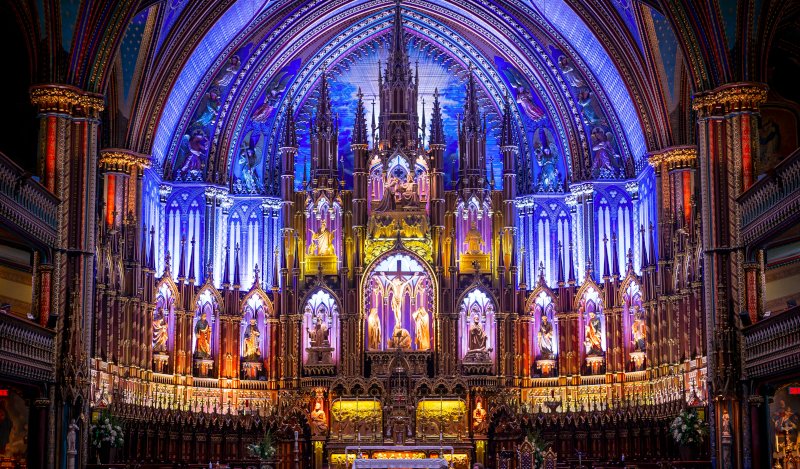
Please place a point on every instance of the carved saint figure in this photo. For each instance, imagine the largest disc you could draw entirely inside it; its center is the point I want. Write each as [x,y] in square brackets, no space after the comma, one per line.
[408,194]
[546,337]
[397,287]
[252,350]
[400,339]
[196,145]
[422,329]
[71,437]
[160,331]
[374,326]
[473,240]
[318,421]
[318,335]
[479,417]
[213,103]
[321,241]
[226,78]
[525,100]
[593,340]
[202,337]
[572,76]
[248,159]
[549,176]
[477,336]
[604,157]
[638,330]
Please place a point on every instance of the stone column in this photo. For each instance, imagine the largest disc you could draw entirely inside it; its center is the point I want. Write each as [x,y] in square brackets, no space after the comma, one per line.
[727,120]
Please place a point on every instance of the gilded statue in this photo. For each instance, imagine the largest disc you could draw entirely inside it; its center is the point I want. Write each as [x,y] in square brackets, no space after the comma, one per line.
[318,335]
[477,336]
[252,350]
[593,340]
[422,329]
[202,337]
[160,331]
[321,241]
[479,423]
[545,337]
[318,421]
[374,326]
[639,330]
[397,286]
[473,240]
[400,339]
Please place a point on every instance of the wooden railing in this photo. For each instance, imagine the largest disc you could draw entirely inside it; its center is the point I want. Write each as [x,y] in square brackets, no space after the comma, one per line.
[26,204]
[772,345]
[27,350]
[772,201]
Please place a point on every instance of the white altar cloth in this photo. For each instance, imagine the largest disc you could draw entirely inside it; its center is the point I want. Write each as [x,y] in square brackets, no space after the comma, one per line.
[400,463]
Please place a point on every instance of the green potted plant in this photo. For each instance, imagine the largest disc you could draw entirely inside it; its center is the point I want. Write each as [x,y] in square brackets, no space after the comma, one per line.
[106,433]
[689,431]
[264,450]
[540,446]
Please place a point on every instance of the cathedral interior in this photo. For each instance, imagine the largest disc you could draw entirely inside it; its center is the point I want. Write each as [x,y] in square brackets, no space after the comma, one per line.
[400,234]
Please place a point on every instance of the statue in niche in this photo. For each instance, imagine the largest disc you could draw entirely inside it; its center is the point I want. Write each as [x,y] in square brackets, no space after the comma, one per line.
[408,195]
[321,241]
[213,103]
[226,77]
[319,335]
[374,330]
[477,336]
[545,337]
[479,422]
[248,161]
[473,240]
[573,77]
[593,340]
[588,107]
[400,339]
[160,331]
[195,145]
[638,330]
[604,163]
[252,350]
[549,176]
[317,420]
[397,286]
[422,328]
[529,107]
[202,338]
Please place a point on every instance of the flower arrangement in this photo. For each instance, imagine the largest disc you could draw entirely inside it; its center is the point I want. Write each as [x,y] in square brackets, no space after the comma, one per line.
[540,446]
[264,449]
[106,432]
[688,428]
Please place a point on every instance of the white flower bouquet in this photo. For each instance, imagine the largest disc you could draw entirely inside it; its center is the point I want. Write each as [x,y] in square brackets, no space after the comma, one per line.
[106,432]
[688,428]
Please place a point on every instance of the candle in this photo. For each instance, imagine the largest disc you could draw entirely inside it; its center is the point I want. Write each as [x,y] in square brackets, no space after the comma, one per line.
[295,435]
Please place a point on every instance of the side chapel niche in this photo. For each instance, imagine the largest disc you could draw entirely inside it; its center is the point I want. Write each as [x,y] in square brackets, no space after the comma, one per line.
[477,331]
[321,338]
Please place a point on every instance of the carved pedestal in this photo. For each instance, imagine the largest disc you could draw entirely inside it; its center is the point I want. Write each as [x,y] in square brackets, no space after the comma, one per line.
[477,362]
[329,265]
[251,369]
[160,361]
[203,367]
[595,364]
[546,367]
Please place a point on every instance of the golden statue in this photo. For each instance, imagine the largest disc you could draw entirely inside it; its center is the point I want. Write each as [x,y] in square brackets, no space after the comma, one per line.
[477,336]
[400,339]
[160,331]
[479,417]
[374,326]
[473,240]
[202,334]
[318,336]
[252,351]
[593,336]
[398,287]
[422,329]
[321,241]
[318,421]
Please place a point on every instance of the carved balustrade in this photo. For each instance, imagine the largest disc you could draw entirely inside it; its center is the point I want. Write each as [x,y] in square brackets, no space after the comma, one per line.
[27,350]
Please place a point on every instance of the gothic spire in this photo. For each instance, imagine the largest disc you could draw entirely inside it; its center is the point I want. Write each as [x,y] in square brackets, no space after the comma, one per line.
[398,67]
[289,139]
[560,264]
[325,121]
[276,274]
[360,128]
[472,116]
[182,260]
[506,137]
[191,263]
[151,262]
[437,125]
[643,254]
[571,279]
[614,255]
[226,278]
[606,269]
[236,277]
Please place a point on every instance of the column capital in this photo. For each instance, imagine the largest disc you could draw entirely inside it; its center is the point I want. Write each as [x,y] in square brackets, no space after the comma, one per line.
[65,99]
[731,97]
[676,157]
[118,160]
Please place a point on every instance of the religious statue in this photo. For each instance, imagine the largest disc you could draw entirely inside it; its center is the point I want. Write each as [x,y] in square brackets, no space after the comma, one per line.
[525,100]
[638,330]
[586,102]
[407,195]
[593,340]
[321,241]
[604,156]
[374,327]
[726,424]
[573,77]
[479,422]
[71,437]
[422,328]
[318,336]
[195,146]
[400,339]
[226,77]
[477,336]
[213,104]
[549,176]
[545,337]
[252,349]
[398,287]
[202,335]
[473,240]
[160,331]
[317,420]
[248,160]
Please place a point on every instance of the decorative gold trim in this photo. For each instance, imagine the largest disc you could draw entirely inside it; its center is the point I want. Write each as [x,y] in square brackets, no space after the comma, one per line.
[681,157]
[731,97]
[119,160]
[54,98]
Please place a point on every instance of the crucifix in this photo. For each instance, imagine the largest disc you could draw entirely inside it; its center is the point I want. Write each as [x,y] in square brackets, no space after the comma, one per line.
[398,286]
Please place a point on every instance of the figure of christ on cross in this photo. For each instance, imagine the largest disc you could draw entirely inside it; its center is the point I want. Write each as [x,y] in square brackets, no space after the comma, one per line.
[397,287]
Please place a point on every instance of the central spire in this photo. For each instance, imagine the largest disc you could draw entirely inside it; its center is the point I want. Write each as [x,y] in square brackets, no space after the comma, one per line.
[398,67]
